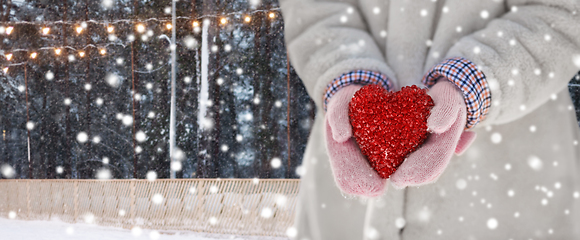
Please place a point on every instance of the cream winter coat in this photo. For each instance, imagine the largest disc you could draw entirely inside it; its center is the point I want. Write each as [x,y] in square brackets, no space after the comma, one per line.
[521,177]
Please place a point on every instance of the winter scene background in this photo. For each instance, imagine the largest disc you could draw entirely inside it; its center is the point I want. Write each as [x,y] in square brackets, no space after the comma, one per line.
[99,87]
[140,89]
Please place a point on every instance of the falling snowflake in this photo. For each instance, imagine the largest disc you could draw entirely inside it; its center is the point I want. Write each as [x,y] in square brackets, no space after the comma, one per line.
[461,184]
[266,213]
[576,60]
[291,232]
[224,148]
[49,75]
[424,215]
[151,176]
[496,138]
[30,125]
[492,223]
[113,80]
[70,231]
[7,171]
[535,163]
[213,220]
[300,170]
[400,222]
[89,218]
[157,198]
[511,193]
[140,136]
[103,174]
[276,162]
[82,137]
[127,120]
[154,235]
[136,231]
[484,14]
[178,154]
[176,166]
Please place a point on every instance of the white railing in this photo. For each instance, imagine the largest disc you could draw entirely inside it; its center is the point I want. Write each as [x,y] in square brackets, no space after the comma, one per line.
[263,207]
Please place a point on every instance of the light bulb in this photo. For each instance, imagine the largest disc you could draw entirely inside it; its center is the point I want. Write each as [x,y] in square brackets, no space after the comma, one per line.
[45,31]
[272,15]
[169,26]
[103,51]
[247,19]
[140,28]
[9,30]
[5,70]
[195,24]
[33,55]
[57,51]
[82,53]
[9,56]
[79,29]
[224,21]
[110,29]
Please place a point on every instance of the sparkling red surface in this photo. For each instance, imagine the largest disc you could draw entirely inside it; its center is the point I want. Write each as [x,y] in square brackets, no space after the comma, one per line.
[388,126]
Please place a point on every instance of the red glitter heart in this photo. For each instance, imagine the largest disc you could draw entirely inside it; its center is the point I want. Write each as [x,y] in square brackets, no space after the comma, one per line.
[389,126]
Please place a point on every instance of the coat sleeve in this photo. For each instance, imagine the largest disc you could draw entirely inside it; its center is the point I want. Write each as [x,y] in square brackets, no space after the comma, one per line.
[326,39]
[527,55]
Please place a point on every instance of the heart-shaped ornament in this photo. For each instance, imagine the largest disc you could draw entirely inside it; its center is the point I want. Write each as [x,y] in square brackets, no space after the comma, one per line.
[388,126]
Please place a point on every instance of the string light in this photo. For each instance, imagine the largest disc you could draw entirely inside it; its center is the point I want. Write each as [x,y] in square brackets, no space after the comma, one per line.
[272,15]
[45,30]
[103,51]
[195,24]
[57,51]
[9,56]
[140,28]
[5,70]
[224,20]
[33,55]
[247,19]
[81,53]
[79,29]
[169,26]
[110,29]
[9,30]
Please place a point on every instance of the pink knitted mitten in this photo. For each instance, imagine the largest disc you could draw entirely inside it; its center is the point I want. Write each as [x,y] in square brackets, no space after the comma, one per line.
[447,123]
[352,172]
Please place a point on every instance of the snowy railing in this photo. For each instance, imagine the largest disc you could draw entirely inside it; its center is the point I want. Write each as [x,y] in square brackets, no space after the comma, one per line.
[263,207]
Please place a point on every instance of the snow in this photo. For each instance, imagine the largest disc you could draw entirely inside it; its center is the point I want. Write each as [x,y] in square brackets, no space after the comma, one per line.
[50,230]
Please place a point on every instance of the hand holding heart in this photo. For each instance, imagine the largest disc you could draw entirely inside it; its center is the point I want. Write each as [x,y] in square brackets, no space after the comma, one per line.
[354,174]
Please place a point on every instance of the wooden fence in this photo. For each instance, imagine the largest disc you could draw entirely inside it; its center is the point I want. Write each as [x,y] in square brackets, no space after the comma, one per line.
[259,207]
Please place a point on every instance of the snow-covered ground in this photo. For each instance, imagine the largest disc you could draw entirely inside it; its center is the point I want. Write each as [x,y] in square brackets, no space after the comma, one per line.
[51,230]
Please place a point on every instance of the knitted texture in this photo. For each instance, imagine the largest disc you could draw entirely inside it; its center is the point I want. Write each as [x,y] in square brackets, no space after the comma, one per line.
[351,170]
[447,121]
[361,77]
[470,80]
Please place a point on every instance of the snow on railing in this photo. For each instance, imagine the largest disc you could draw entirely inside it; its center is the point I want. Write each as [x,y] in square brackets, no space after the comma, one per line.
[261,207]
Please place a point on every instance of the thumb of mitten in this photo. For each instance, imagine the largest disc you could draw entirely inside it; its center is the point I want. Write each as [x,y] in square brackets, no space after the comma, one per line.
[337,113]
[447,98]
